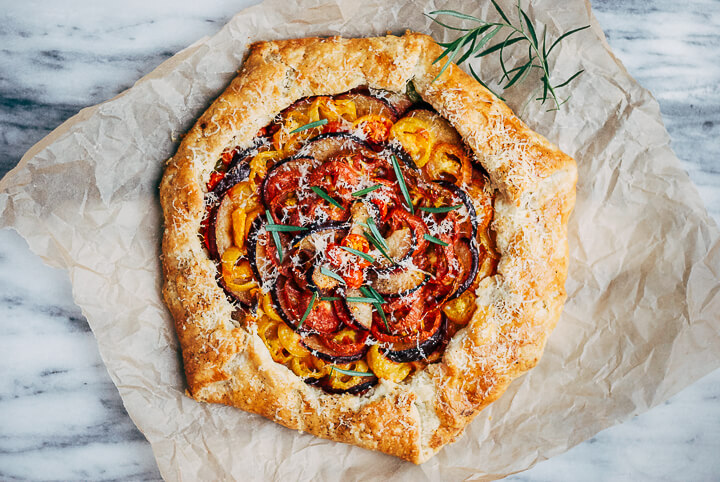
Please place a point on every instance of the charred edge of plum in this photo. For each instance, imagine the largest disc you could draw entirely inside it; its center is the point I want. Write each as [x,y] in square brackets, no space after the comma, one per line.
[275,297]
[422,105]
[422,350]
[353,322]
[354,390]
[230,294]
[465,199]
[238,170]
[474,267]
[402,155]
[318,227]
[210,233]
[252,242]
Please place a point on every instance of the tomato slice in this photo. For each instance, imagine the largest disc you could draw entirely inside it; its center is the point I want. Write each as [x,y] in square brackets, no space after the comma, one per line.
[400,217]
[281,181]
[338,178]
[376,128]
[322,318]
[346,342]
[354,275]
[430,324]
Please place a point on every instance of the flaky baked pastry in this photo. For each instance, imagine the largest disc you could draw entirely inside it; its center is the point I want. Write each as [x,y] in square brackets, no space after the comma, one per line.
[360,250]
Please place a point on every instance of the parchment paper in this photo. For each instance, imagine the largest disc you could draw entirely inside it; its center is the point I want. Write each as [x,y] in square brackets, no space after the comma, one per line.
[641,321]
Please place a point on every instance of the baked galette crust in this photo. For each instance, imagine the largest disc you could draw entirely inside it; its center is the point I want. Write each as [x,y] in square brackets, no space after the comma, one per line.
[518,307]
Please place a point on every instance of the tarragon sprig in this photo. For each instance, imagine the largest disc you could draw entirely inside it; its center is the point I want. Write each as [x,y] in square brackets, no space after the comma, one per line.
[474,42]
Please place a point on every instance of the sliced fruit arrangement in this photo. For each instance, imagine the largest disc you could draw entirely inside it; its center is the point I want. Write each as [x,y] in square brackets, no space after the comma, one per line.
[356,230]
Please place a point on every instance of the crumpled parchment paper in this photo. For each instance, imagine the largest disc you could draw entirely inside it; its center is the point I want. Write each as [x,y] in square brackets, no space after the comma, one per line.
[642,319]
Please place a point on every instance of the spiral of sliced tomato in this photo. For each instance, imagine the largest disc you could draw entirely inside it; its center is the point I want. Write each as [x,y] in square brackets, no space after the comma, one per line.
[320,326]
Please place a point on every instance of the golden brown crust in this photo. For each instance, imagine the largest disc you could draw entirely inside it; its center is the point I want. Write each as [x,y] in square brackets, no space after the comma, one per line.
[517,308]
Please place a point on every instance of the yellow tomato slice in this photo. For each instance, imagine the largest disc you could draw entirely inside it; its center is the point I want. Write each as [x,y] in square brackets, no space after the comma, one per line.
[461,309]
[449,159]
[291,341]
[332,109]
[259,164]
[288,143]
[268,332]
[269,308]
[238,276]
[241,223]
[415,136]
[308,367]
[385,368]
[340,381]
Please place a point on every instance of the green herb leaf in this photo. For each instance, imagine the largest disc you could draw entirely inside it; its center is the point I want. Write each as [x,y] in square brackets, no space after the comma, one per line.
[442,209]
[520,71]
[449,46]
[453,13]
[483,41]
[362,192]
[500,11]
[309,309]
[360,299]
[351,373]
[403,186]
[275,235]
[570,79]
[500,45]
[377,295]
[311,125]
[376,232]
[283,228]
[371,239]
[566,34]
[529,24]
[331,274]
[477,77]
[411,92]
[447,64]
[320,192]
[435,240]
[469,52]
[330,298]
[356,252]
[473,42]
[371,293]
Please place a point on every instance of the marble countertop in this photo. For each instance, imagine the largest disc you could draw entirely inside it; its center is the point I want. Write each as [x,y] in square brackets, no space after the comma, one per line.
[61,418]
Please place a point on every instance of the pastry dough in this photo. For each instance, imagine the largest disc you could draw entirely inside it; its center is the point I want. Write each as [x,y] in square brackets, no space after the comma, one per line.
[225,359]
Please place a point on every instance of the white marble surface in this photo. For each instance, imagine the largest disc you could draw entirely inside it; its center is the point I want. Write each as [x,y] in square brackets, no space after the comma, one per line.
[61,417]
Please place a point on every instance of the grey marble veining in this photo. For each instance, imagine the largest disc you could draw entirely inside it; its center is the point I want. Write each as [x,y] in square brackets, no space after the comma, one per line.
[61,418]
[673,49]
